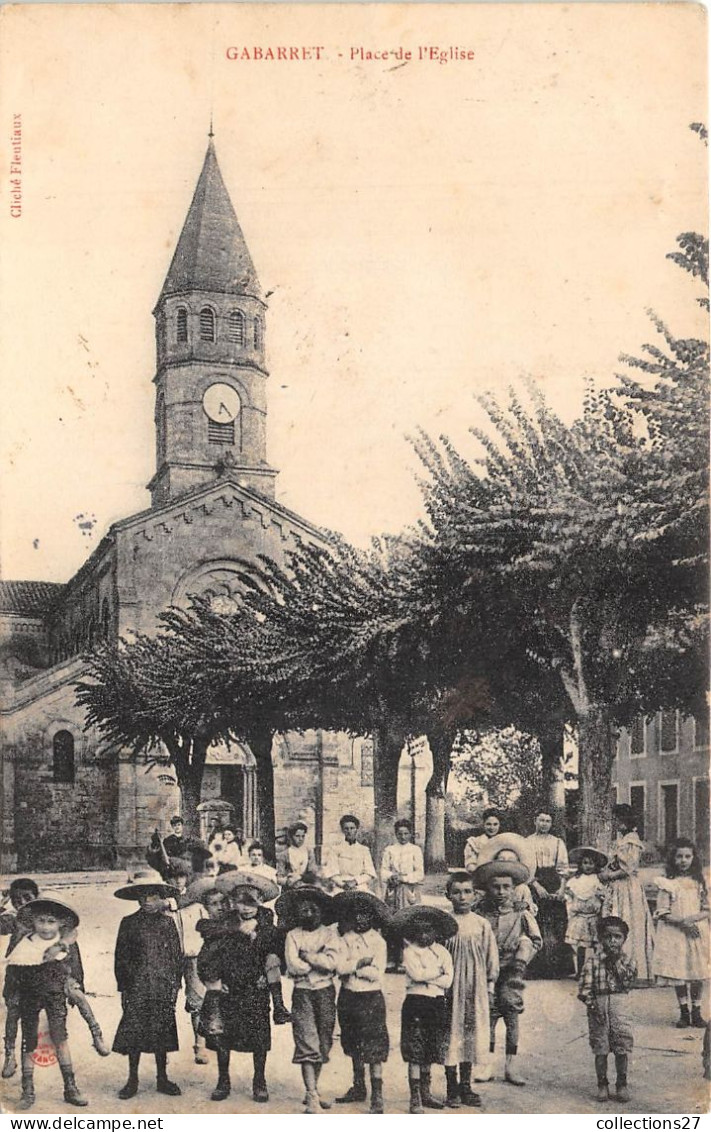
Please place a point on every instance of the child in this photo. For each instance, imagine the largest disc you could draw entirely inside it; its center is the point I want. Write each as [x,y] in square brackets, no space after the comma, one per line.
[624,894]
[311,953]
[361,963]
[475,960]
[186,911]
[428,966]
[681,951]
[148,966]
[584,894]
[239,965]
[40,985]
[607,975]
[518,939]
[21,891]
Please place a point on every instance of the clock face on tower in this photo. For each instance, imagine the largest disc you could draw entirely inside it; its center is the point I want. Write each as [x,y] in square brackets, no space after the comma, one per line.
[221,402]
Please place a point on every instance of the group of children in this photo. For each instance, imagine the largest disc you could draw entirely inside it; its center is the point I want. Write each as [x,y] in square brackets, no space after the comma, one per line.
[464,973]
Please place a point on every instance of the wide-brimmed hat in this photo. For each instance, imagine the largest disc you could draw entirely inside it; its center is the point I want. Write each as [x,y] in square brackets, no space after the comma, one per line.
[197,888]
[521,846]
[408,919]
[50,906]
[286,905]
[576,855]
[346,903]
[514,869]
[242,878]
[141,882]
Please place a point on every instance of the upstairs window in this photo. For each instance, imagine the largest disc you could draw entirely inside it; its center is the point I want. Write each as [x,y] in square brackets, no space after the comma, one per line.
[235,328]
[701,730]
[182,325]
[669,731]
[207,325]
[638,746]
[63,757]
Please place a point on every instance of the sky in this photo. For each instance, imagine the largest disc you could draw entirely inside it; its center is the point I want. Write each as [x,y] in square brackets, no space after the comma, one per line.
[429,231]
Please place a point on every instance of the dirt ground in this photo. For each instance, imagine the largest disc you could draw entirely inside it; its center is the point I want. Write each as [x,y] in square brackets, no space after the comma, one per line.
[665,1071]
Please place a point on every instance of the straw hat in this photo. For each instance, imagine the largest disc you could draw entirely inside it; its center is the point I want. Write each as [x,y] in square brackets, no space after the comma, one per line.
[518,872]
[287,903]
[575,856]
[50,906]
[237,878]
[197,888]
[143,881]
[521,846]
[407,920]
[346,903]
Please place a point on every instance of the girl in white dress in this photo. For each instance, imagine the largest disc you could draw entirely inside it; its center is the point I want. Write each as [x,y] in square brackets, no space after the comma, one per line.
[584,894]
[681,953]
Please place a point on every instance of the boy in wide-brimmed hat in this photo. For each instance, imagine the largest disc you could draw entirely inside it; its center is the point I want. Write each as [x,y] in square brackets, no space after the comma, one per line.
[518,939]
[148,965]
[429,972]
[361,963]
[312,945]
[240,965]
[40,985]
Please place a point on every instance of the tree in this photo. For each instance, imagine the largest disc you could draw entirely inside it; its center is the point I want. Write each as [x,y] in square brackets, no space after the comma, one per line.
[503,766]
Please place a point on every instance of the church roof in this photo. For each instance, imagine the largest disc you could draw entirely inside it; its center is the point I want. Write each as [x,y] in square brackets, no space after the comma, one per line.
[29,599]
[212,254]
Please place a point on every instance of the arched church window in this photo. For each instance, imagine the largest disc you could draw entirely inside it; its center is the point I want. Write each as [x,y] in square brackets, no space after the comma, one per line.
[63,757]
[235,328]
[207,325]
[257,333]
[182,325]
[105,618]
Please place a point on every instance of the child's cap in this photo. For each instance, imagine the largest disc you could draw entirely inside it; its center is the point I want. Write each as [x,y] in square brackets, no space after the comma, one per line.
[48,906]
[613,922]
[575,856]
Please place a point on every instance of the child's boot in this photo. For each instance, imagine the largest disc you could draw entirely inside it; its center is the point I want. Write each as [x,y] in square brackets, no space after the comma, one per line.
[9,1068]
[260,1092]
[684,1017]
[466,1095]
[28,1087]
[163,1085]
[453,1101]
[510,1073]
[200,1051]
[621,1091]
[71,1090]
[357,1091]
[376,1095]
[415,1098]
[603,1085]
[223,1087]
[428,1100]
[280,1014]
[98,1042]
[697,1021]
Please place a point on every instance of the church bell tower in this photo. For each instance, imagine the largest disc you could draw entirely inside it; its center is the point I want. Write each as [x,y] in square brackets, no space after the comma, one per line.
[211,376]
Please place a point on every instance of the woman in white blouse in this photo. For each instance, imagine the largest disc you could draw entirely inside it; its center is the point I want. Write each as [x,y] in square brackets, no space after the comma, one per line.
[554,960]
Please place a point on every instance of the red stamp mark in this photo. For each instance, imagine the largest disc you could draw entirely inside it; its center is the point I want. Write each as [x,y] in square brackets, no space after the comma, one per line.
[45,1053]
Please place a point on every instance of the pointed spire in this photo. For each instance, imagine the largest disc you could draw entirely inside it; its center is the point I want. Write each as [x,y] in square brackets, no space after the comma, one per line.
[212,254]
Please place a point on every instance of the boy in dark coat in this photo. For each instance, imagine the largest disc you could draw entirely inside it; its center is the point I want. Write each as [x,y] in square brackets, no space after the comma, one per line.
[240,965]
[148,966]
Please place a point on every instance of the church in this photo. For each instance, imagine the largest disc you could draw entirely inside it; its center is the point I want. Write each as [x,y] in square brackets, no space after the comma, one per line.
[66,802]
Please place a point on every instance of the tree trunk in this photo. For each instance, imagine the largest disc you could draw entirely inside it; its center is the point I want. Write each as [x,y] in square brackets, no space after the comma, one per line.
[260,743]
[388,742]
[595,776]
[435,793]
[553,794]
[190,791]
